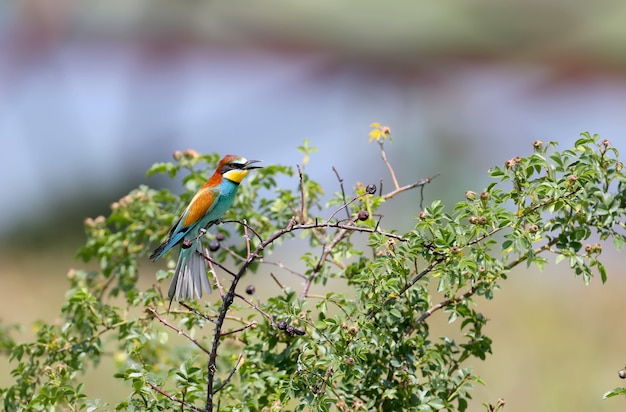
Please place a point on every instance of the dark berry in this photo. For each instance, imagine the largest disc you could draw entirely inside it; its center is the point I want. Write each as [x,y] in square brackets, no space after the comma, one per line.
[299,330]
[250,289]
[187,243]
[363,215]
[219,236]
[214,245]
[281,324]
[622,374]
[290,330]
[370,189]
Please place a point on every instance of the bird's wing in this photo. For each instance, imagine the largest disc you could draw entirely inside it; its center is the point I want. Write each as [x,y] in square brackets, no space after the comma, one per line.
[202,203]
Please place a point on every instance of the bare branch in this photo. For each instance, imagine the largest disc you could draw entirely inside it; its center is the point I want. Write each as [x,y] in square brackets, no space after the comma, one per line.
[178,330]
[280,285]
[246,326]
[214,274]
[421,183]
[174,398]
[344,206]
[343,193]
[325,252]
[246,236]
[302,218]
[347,227]
[282,266]
[194,311]
[231,374]
[245,224]
[258,309]
[384,155]
[212,262]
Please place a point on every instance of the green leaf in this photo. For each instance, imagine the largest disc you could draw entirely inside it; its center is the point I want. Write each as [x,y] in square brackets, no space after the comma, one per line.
[614,392]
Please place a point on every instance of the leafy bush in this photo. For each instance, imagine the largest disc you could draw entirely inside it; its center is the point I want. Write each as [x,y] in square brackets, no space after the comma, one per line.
[367,346]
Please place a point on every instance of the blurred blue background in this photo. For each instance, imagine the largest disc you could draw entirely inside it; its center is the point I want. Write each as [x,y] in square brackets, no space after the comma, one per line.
[92,93]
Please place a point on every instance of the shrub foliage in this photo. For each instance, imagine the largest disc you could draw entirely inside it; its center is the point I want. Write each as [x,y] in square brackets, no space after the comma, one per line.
[363,345]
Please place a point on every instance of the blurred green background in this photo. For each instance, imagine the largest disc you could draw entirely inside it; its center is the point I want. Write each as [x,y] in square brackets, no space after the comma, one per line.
[93,92]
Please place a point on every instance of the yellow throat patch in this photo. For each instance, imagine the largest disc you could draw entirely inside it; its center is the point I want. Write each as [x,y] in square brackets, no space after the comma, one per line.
[235,175]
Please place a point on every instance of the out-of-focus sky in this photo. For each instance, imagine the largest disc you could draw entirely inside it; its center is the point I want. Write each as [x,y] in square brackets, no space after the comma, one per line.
[92,93]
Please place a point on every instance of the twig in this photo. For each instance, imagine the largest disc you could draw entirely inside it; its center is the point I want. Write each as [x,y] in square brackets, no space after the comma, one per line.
[420,275]
[267,262]
[324,255]
[282,266]
[406,287]
[95,336]
[280,285]
[174,398]
[246,236]
[393,174]
[177,330]
[343,193]
[445,303]
[348,227]
[246,326]
[230,375]
[215,277]
[398,190]
[244,223]
[194,311]
[523,258]
[344,206]
[208,258]
[301,184]
[258,309]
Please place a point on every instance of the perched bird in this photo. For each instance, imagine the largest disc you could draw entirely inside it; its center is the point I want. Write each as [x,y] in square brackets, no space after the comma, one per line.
[206,207]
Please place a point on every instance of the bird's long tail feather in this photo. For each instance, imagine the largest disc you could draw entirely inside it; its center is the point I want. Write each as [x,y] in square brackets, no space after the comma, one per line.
[190,276]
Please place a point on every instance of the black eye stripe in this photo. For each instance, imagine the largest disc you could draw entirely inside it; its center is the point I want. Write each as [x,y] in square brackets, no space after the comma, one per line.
[232,166]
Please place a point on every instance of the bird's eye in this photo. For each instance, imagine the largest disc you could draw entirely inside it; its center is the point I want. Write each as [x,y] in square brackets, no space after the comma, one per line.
[237,165]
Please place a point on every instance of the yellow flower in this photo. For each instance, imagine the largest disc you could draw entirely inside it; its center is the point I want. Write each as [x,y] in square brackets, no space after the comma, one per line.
[379,132]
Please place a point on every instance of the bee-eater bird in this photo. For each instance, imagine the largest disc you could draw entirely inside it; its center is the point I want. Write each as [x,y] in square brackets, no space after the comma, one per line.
[206,207]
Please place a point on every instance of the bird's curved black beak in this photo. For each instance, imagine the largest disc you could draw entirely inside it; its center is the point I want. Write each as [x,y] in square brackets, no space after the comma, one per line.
[249,163]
